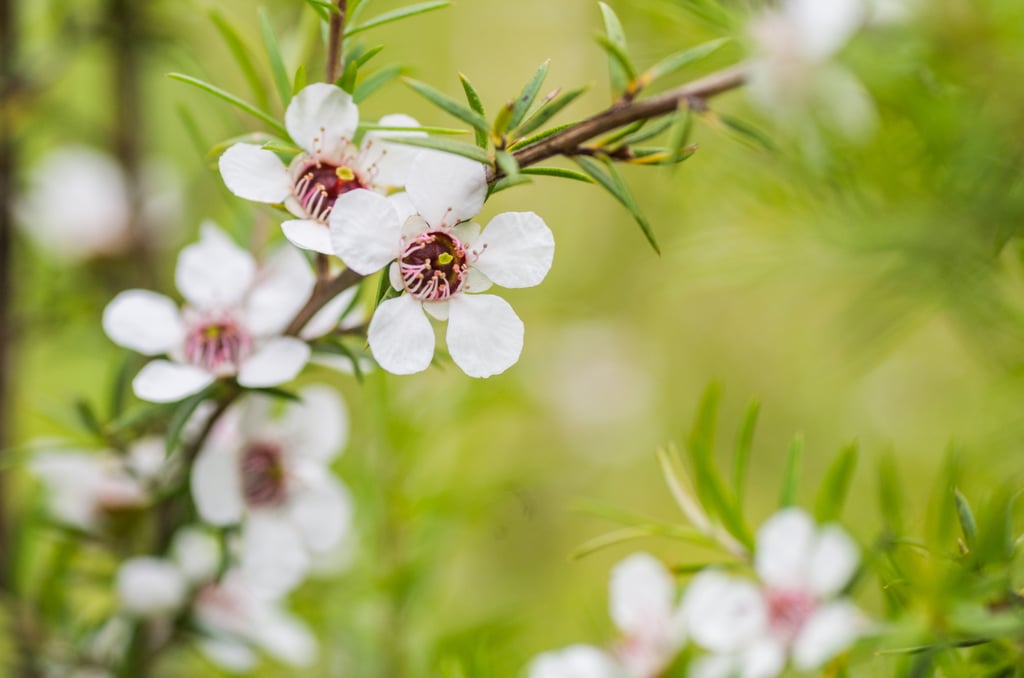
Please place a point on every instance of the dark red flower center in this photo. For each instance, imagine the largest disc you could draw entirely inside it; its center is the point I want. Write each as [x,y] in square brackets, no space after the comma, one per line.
[433,267]
[264,481]
[218,346]
[789,610]
[319,184]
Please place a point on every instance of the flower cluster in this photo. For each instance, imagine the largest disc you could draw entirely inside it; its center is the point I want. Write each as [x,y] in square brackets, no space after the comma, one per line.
[792,615]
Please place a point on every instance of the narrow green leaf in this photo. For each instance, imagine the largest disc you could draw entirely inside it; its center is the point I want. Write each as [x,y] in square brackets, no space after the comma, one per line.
[966,517]
[447,131]
[347,79]
[836,485]
[610,180]
[87,417]
[449,105]
[181,415]
[626,534]
[277,393]
[323,8]
[680,60]
[616,36]
[396,15]
[617,54]
[473,98]
[278,146]
[231,99]
[557,172]
[507,162]
[445,145]
[243,56]
[365,57]
[277,68]
[890,493]
[529,94]
[356,9]
[502,119]
[744,444]
[374,82]
[121,386]
[677,148]
[539,136]
[188,121]
[747,132]
[299,81]
[636,134]
[548,110]
[791,473]
[507,182]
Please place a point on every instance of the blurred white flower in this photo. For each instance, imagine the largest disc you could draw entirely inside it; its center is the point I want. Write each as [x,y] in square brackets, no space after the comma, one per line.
[575,661]
[436,257]
[272,475]
[322,119]
[91,217]
[792,74]
[85,488]
[237,618]
[752,630]
[150,587]
[231,325]
[197,554]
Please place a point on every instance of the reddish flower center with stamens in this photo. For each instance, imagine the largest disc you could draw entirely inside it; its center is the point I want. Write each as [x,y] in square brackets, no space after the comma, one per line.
[319,184]
[264,480]
[789,610]
[433,267]
[218,346]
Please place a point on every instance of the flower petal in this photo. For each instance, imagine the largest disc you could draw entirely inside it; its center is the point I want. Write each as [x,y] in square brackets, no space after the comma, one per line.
[575,661]
[217,486]
[322,513]
[285,637]
[724,613]
[485,336]
[278,361]
[150,587]
[401,338]
[437,309]
[784,545]
[283,285]
[763,658]
[829,631]
[715,666]
[162,381]
[231,655]
[824,27]
[641,596]
[365,230]
[255,173]
[214,273]
[391,161]
[307,234]
[317,427]
[322,119]
[274,559]
[515,249]
[446,188]
[143,321]
[197,554]
[833,560]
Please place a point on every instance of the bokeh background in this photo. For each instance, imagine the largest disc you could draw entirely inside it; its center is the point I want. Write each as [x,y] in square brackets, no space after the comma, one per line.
[871,293]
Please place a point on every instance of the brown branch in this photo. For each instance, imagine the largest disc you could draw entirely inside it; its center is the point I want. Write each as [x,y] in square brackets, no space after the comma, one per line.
[335,40]
[623,113]
[322,293]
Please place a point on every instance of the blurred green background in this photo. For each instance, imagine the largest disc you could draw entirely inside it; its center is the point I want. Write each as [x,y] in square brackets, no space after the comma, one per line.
[872,295]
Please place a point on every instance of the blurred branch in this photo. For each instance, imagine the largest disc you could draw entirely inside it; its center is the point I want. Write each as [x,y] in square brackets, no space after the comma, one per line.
[324,291]
[335,40]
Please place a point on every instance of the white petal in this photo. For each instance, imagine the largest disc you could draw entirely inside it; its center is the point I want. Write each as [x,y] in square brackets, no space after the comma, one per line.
[197,554]
[437,309]
[279,360]
[515,249]
[322,119]
[467,232]
[217,486]
[724,613]
[143,321]
[285,638]
[328,317]
[641,595]
[401,338]
[307,234]
[828,632]
[833,561]
[214,272]
[824,27]
[476,281]
[317,427]
[763,658]
[322,513]
[403,206]
[162,381]
[146,458]
[232,656]
[255,173]
[575,661]
[392,161]
[784,545]
[274,559]
[485,336]
[150,587]
[446,188]
[283,286]
[365,231]
[715,666]
[842,104]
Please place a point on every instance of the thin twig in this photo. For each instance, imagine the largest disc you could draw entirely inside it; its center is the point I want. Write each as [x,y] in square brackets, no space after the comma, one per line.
[335,40]
[322,293]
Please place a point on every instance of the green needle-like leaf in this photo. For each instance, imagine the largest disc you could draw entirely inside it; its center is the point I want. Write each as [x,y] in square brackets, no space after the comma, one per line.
[231,99]
[744,444]
[507,162]
[277,67]
[449,105]
[966,517]
[243,56]
[299,81]
[446,146]
[610,180]
[680,60]
[395,15]
[527,96]
[548,110]
[473,98]
[617,70]
[557,172]
[833,491]
[791,473]
[323,8]
[539,136]
[374,82]
[181,415]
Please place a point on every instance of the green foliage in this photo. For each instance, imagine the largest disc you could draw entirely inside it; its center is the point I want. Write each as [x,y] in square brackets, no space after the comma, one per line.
[277,67]
[392,16]
[604,173]
[270,120]
[449,105]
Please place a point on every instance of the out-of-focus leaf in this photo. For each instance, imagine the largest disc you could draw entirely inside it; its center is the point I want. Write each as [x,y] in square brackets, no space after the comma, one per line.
[968,524]
[711,11]
[396,15]
[637,132]
[557,172]
[449,105]
[548,109]
[683,125]
[323,8]
[231,99]
[277,67]
[278,146]
[890,493]
[539,136]
[747,132]
[621,62]
[299,81]
[507,162]
[121,386]
[445,145]
[744,444]
[364,57]
[610,180]
[529,94]
[374,82]
[356,9]
[277,393]
[473,98]
[339,348]
[87,417]
[347,79]
[181,415]
[260,138]
[680,60]
[243,56]
[188,121]
[791,473]
[625,534]
[614,35]
[836,485]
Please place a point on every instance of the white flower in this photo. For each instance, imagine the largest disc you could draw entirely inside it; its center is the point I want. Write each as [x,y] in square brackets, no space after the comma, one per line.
[751,630]
[76,205]
[272,475]
[150,587]
[322,119]
[437,257]
[231,325]
[238,617]
[792,74]
[86,488]
[575,661]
